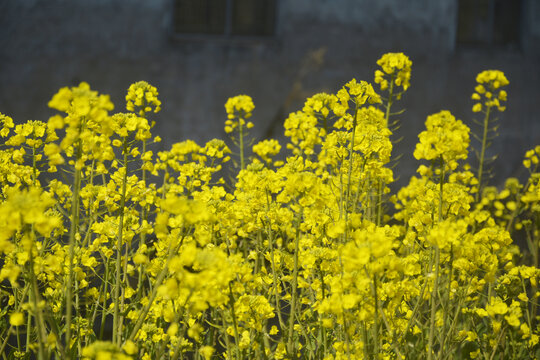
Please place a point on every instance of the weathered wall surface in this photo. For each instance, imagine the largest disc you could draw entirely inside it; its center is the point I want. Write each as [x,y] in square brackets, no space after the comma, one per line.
[45,45]
[405,21]
[531,26]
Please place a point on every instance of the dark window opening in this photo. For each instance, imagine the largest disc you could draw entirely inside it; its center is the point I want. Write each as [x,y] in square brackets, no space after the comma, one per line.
[252,18]
[489,22]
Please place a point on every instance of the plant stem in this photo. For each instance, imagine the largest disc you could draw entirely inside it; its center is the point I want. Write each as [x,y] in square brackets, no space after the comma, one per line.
[273,263]
[351,151]
[104,305]
[72,238]
[433,304]
[235,323]
[144,212]
[437,267]
[389,104]
[8,331]
[241,133]
[349,177]
[375,318]
[290,345]
[36,299]
[159,280]
[117,331]
[482,154]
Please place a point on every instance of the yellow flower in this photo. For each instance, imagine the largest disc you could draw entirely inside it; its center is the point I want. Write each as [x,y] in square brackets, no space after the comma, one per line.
[239,106]
[396,67]
[444,137]
[266,149]
[143,96]
[206,352]
[239,109]
[7,123]
[496,307]
[477,107]
[130,348]
[273,330]
[16,319]
[489,82]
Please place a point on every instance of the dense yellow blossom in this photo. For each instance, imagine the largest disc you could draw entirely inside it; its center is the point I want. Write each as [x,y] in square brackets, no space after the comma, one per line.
[136,253]
[144,97]
[396,67]
[444,138]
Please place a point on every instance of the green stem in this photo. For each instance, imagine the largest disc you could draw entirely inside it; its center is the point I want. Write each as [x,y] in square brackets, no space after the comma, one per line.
[241,132]
[323,295]
[103,295]
[441,182]
[273,262]
[437,267]
[72,238]
[389,104]
[345,322]
[225,335]
[351,151]
[7,332]
[482,154]
[159,280]
[433,305]
[117,331]
[144,211]
[290,345]
[28,333]
[380,187]
[34,165]
[235,322]
[375,318]
[178,349]
[447,300]
[349,176]
[36,299]
[379,311]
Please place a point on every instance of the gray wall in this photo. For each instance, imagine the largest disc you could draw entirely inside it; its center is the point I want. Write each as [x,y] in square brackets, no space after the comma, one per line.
[47,44]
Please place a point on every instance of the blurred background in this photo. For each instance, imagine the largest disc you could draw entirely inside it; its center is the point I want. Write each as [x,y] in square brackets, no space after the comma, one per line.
[198,53]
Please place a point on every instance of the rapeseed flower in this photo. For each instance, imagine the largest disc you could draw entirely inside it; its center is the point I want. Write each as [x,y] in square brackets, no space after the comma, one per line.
[143,96]
[292,259]
[396,67]
[444,138]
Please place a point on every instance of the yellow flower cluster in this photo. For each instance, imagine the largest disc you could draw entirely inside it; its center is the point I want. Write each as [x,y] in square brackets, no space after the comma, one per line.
[357,93]
[489,82]
[144,97]
[7,123]
[239,107]
[266,149]
[445,138]
[132,254]
[396,70]
[531,158]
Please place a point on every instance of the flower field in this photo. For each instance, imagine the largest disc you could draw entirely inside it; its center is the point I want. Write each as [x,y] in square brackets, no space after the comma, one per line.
[234,250]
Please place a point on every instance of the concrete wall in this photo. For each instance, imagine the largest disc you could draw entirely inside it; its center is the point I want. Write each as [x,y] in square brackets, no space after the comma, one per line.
[434,21]
[531,27]
[47,44]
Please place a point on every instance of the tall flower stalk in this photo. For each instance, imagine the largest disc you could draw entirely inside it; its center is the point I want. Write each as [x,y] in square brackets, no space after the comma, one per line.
[239,109]
[490,97]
